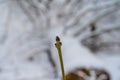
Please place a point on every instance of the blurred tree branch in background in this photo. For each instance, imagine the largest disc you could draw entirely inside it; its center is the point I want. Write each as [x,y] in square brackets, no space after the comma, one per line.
[75,16]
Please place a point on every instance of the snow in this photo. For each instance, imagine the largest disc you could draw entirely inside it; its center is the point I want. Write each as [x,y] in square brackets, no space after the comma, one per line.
[75,55]
[112,63]
[24,42]
[15,64]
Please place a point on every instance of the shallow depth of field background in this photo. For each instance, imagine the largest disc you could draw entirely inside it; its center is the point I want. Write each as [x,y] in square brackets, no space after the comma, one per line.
[89,31]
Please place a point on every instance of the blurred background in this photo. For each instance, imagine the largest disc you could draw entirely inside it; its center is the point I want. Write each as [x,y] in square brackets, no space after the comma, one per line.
[89,31]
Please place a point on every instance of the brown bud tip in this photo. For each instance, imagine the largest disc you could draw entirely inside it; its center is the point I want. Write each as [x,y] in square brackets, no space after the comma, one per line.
[57,38]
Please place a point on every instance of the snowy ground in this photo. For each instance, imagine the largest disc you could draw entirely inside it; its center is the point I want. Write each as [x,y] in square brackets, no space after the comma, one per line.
[76,53]
[14,66]
[18,47]
[112,62]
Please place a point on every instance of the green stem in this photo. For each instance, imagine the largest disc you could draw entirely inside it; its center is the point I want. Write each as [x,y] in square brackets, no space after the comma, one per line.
[58,46]
[61,63]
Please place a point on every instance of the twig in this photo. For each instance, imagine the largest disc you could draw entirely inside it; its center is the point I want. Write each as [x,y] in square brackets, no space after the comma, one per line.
[58,45]
[98,33]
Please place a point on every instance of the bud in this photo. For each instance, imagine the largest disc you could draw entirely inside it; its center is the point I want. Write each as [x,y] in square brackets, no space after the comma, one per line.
[57,38]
